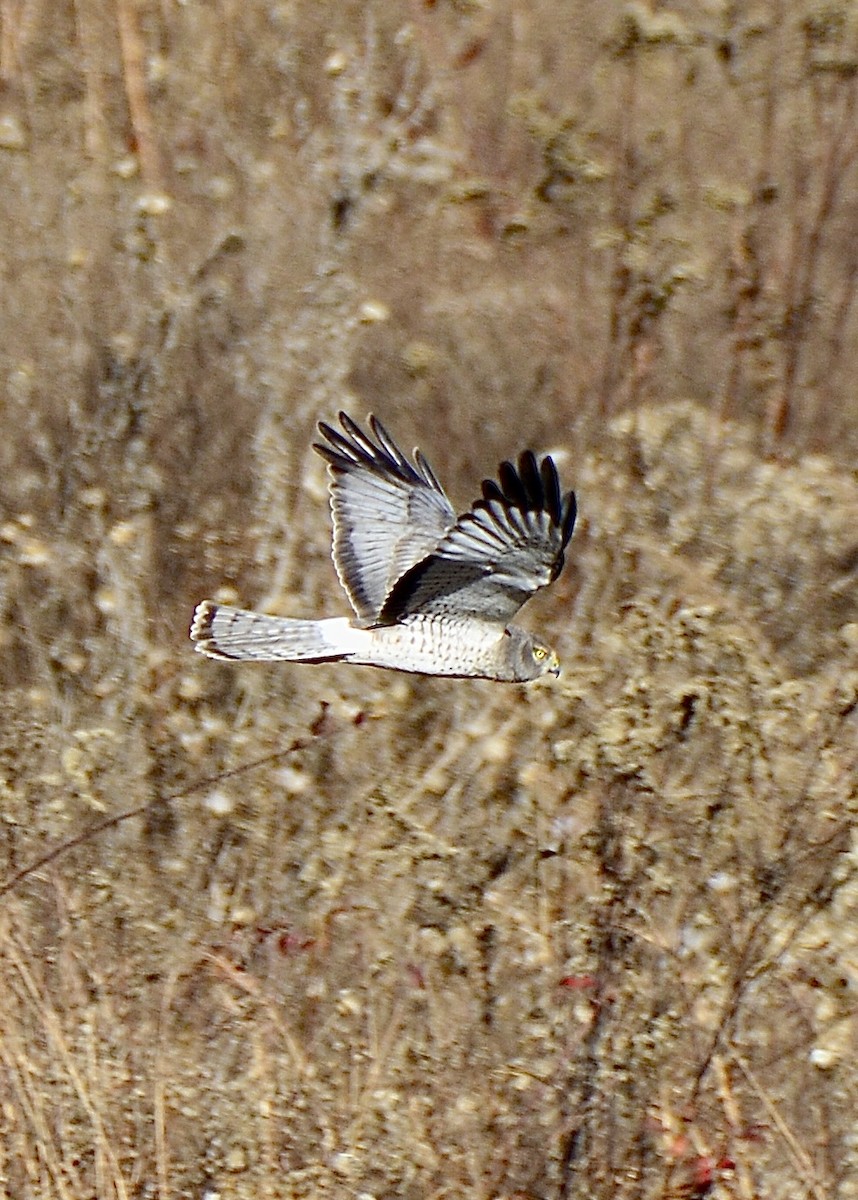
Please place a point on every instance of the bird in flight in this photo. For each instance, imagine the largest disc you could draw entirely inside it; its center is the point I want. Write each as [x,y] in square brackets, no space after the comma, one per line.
[432,592]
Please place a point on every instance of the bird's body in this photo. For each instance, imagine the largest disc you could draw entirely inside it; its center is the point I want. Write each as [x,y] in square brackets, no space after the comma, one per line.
[423,644]
[432,592]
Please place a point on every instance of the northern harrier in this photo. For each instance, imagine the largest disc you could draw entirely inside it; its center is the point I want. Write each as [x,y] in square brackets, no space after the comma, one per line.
[432,592]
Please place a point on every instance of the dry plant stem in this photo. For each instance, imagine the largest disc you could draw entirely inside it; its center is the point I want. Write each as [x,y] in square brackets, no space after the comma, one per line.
[12,37]
[48,1167]
[618,365]
[159,1087]
[844,306]
[91,310]
[92,19]
[53,1029]
[802,285]
[247,984]
[133,62]
[139,810]
[734,1122]
[608,932]
[746,280]
[796,1151]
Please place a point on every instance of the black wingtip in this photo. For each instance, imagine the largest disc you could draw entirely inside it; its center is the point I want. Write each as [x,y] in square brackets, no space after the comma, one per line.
[568,516]
[531,479]
[492,491]
[377,428]
[351,426]
[562,508]
[533,486]
[551,488]
[348,446]
[351,446]
[512,485]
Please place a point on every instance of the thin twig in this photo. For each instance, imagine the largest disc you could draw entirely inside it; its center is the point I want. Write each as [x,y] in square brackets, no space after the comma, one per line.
[139,809]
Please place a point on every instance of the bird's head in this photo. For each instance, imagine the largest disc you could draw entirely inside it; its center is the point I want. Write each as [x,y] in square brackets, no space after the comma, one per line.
[527,657]
[546,659]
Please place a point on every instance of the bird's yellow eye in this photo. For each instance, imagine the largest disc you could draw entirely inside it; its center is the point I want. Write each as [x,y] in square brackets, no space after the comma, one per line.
[539,653]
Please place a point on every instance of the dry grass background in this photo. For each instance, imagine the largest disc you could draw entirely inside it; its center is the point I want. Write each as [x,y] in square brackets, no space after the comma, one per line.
[591,939]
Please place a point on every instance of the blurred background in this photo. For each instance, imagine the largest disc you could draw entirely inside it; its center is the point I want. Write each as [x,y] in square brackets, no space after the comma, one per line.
[375,935]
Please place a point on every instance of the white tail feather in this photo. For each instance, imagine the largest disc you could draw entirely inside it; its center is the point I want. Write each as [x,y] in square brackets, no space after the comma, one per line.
[235,633]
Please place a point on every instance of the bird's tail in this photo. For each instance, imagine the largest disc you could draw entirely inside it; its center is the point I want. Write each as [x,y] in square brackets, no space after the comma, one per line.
[223,632]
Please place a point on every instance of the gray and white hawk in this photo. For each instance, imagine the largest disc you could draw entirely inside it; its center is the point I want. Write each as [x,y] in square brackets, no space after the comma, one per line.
[432,592]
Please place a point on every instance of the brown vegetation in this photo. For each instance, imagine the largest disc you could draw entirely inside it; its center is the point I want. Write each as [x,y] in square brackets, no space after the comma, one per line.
[371,935]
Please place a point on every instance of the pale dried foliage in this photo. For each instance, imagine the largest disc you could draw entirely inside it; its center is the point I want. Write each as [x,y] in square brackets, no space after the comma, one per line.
[589,939]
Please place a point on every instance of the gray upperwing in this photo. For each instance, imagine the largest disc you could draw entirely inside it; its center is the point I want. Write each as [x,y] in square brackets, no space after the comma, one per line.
[388,514]
[497,555]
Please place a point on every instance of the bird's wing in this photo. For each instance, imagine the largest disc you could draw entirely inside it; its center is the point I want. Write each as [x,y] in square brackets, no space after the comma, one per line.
[388,513]
[496,556]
